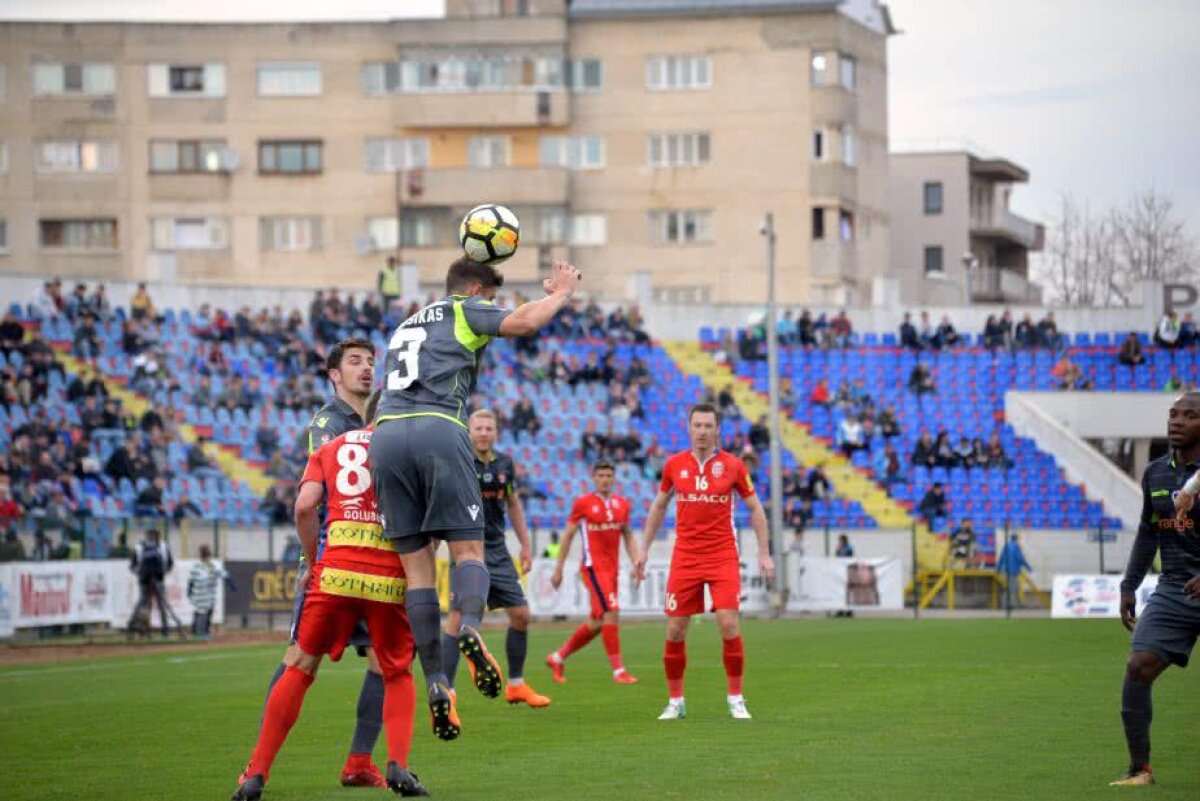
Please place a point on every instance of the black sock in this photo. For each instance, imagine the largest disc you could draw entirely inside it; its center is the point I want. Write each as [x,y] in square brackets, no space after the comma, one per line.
[426,620]
[449,657]
[469,583]
[1136,713]
[274,679]
[515,646]
[370,714]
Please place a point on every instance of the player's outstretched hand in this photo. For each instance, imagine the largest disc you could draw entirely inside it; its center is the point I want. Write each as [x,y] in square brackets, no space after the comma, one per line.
[525,557]
[1192,588]
[556,579]
[639,567]
[564,277]
[1129,609]
[1183,504]
[766,566]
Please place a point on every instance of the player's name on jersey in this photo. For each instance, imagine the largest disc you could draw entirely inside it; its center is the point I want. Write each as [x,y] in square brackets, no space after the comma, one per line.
[369,535]
[430,314]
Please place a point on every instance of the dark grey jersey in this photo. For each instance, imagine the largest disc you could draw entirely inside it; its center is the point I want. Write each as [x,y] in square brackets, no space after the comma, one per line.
[433,358]
[334,419]
[497,483]
[1159,532]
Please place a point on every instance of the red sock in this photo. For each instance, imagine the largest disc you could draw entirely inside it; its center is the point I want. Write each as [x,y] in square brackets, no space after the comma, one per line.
[675,662]
[735,664]
[399,701]
[581,637]
[612,645]
[283,708]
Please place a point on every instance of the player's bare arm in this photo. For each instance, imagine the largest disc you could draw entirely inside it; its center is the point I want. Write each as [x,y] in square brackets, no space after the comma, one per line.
[1192,588]
[516,513]
[564,548]
[308,521]
[758,520]
[630,542]
[1186,498]
[529,318]
[658,510]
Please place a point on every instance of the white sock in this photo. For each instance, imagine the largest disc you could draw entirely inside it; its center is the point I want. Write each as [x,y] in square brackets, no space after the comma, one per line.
[555,658]
[675,701]
[733,699]
[618,671]
[515,681]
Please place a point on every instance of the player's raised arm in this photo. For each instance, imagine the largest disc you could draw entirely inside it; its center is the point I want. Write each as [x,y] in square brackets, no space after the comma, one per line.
[1145,546]
[564,548]
[529,318]
[758,520]
[308,520]
[516,513]
[658,510]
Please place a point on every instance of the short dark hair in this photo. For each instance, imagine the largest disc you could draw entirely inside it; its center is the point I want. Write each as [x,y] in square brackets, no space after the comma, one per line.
[704,408]
[603,464]
[372,406]
[333,361]
[465,272]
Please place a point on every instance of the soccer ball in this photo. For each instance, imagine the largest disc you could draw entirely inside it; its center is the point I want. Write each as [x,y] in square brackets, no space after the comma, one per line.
[489,234]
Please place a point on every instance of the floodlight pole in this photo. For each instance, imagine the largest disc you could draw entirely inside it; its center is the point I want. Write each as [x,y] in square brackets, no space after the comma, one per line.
[776,450]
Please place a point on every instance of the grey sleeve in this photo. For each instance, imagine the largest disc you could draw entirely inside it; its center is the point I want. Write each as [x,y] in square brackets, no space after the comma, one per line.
[484,317]
[1145,546]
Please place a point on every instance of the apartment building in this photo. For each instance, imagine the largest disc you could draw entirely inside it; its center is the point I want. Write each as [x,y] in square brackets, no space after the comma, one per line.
[644,139]
[954,238]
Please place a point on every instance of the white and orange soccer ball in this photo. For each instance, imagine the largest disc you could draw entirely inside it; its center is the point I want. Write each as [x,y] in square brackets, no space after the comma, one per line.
[489,233]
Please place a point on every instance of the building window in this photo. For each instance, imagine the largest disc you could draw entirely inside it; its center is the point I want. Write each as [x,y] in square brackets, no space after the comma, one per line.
[3,83]
[680,227]
[820,69]
[3,157]
[189,156]
[51,80]
[677,150]
[572,152]
[393,155]
[185,80]
[933,197]
[384,233]
[818,222]
[290,233]
[846,225]
[75,157]
[486,152]
[290,158]
[665,73]
[78,234]
[581,230]
[380,78]
[3,234]
[849,146]
[933,259]
[585,75]
[189,233]
[847,71]
[285,79]
[818,144]
[418,230]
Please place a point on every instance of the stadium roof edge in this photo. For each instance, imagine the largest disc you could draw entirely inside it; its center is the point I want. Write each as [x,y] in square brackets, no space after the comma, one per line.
[609,9]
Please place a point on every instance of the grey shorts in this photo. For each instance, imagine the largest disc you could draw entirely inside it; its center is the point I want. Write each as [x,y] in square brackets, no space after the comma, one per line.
[504,585]
[1169,625]
[423,471]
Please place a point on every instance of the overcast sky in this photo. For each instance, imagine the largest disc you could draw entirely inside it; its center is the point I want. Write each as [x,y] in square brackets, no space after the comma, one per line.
[1091,96]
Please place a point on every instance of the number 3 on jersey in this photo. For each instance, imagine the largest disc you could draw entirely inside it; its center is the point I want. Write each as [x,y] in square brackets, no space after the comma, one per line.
[406,343]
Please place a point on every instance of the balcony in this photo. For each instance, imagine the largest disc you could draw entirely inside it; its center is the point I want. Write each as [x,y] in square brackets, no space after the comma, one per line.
[190,187]
[1003,285]
[834,259]
[515,109]
[1005,225]
[833,181]
[512,186]
[833,104]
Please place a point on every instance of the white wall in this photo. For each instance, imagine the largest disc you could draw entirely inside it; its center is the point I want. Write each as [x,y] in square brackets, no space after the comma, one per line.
[1093,415]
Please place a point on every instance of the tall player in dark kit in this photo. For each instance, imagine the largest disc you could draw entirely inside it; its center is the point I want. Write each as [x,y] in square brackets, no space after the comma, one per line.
[424,467]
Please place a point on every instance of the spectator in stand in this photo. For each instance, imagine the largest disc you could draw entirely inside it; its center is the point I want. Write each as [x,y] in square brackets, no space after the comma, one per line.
[592,443]
[887,467]
[12,333]
[728,352]
[1188,336]
[1025,334]
[1174,383]
[727,404]
[149,501]
[141,307]
[820,393]
[122,463]
[86,342]
[933,504]
[850,436]
[198,461]
[1069,374]
[85,385]
[844,549]
[1167,333]
[760,434]
[908,333]
[266,437]
[10,511]
[924,453]
[787,395]
[944,450]
[1131,351]
[11,549]
[889,425]
[844,399]
[993,333]
[927,334]
[785,329]
[962,546]
[1047,332]
[816,484]
[964,453]
[185,508]
[841,330]
[234,396]
[920,380]
[525,419]
[946,334]
[805,332]
[996,457]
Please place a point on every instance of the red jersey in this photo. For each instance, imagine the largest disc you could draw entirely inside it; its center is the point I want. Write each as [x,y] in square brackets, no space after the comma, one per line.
[354,533]
[704,502]
[601,524]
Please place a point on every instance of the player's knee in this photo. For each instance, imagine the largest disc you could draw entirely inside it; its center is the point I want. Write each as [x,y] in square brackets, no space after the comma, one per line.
[373,662]
[1143,667]
[307,663]
[611,618]
[466,550]
[519,617]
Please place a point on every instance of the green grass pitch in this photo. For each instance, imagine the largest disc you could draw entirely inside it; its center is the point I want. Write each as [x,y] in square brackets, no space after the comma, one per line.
[843,709]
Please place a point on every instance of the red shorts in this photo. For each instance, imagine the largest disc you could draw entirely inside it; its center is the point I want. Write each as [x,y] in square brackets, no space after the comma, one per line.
[685,588]
[602,590]
[338,597]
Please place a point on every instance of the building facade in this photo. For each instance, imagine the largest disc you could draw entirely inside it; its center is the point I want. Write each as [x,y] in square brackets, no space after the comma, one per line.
[640,138]
[954,238]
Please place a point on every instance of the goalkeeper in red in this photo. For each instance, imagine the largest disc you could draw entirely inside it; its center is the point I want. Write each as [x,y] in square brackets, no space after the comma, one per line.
[357,577]
[704,480]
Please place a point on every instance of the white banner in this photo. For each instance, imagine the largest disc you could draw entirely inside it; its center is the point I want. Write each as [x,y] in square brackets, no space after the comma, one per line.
[1077,596]
[819,584]
[62,593]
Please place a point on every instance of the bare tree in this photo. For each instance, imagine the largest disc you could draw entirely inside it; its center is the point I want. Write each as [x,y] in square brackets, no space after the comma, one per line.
[1078,265]
[1150,243]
